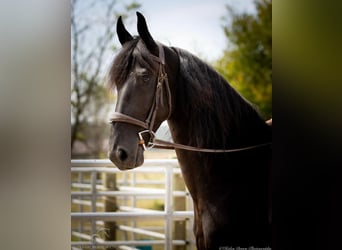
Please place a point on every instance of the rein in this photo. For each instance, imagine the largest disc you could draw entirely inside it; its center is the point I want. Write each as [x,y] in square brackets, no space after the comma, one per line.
[148,124]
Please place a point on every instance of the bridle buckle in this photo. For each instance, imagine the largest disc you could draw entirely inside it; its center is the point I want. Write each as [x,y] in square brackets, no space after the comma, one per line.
[150,144]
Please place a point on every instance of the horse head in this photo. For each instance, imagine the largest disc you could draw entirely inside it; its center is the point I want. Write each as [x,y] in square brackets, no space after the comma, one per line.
[140,77]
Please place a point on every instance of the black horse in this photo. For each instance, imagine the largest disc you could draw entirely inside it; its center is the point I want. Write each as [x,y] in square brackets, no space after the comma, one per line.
[230,190]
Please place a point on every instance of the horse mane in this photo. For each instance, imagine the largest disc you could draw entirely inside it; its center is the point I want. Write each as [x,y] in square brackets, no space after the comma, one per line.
[214,110]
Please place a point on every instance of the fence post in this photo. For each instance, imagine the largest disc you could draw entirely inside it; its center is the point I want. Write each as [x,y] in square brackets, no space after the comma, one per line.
[110,205]
[179,204]
[168,206]
[93,178]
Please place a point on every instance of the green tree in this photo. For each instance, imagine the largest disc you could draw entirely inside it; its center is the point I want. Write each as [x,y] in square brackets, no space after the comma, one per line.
[92,42]
[247,62]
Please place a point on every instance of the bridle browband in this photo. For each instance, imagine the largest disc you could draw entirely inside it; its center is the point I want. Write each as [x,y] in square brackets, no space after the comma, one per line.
[148,124]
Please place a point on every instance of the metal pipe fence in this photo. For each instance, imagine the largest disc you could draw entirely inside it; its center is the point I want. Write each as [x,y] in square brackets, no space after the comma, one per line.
[89,215]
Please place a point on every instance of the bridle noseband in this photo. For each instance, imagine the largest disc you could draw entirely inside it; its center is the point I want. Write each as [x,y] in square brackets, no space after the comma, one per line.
[148,124]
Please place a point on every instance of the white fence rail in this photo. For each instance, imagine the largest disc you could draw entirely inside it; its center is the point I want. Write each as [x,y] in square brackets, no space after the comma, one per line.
[88,189]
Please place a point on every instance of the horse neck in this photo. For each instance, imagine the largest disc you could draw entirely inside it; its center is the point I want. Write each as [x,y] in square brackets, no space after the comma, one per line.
[212,114]
[199,132]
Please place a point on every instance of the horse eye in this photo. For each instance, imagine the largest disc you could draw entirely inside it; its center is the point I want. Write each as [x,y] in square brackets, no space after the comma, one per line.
[145,78]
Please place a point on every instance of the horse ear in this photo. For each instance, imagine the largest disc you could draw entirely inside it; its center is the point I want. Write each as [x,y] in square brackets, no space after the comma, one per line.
[123,34]
[145,35]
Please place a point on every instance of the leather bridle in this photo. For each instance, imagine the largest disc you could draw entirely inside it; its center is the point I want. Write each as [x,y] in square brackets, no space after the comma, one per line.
[148,124]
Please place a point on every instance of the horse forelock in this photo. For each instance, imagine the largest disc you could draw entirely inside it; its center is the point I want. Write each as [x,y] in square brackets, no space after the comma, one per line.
[125,59]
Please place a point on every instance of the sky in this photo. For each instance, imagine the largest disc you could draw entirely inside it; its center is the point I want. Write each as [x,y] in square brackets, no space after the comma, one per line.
[194,25]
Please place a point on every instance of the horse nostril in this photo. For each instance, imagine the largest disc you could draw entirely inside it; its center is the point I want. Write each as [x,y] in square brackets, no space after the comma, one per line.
[122,155]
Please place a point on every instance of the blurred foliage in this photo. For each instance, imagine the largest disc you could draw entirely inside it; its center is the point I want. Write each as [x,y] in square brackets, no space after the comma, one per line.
[157,205]
[247,62]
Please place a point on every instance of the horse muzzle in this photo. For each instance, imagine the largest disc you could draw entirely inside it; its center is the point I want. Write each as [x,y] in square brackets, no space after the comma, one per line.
[126,159]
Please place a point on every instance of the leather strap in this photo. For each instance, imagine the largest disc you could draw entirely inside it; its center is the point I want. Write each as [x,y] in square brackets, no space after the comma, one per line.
[157,143]
[119,117]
